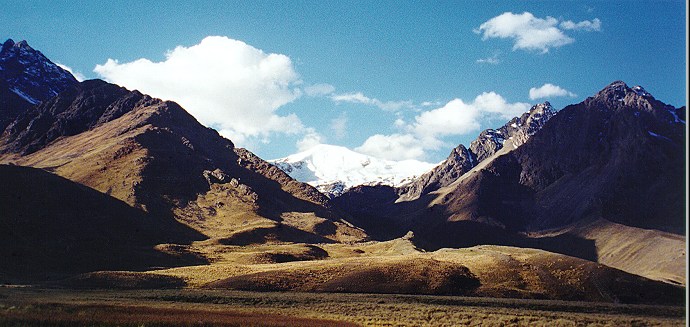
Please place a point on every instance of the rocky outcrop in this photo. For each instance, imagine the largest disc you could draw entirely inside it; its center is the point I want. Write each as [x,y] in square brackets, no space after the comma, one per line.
[78,109]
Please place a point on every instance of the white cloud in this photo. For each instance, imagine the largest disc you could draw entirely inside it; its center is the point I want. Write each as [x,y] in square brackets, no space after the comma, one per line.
[310,140]
[399,123]
[532,33]
[429,128]
[431,103]
[549,90]
[79,76]
[393,147]
[455,118]
[359,97]
[339,126]
[585,25]
[491,103]
[319,90]
[224,83]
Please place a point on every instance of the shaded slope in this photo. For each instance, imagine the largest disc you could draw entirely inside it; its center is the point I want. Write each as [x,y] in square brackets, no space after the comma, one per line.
[620,154]
[11,105]
[50,225]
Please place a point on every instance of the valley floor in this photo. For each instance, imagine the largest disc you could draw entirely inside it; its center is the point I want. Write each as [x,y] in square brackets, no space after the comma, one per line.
[29,306]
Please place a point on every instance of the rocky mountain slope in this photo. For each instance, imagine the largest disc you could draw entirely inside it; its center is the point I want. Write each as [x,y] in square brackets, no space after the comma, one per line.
[155,156]
[334,169]
[386,211]
[489,141]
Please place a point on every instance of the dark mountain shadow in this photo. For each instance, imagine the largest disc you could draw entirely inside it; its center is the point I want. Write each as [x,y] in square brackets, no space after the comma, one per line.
[260,235]
[11,105]
[50,226]
[462,234]
[375,211]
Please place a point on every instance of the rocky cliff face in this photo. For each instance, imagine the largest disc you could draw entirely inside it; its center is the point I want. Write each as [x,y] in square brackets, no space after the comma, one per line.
[518,129]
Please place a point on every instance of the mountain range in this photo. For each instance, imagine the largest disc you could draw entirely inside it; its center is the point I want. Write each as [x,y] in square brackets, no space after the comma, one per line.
[596,187]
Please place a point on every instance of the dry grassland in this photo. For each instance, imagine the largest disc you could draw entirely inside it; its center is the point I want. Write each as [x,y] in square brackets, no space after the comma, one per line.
[41,307]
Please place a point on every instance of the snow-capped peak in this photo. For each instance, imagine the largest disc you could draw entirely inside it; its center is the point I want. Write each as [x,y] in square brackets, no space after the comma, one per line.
[641,91]
[334,169]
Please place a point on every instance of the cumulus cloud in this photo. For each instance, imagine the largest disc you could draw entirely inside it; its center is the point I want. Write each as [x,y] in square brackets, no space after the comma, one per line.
[456,117]
[585,25]
[549,90]
[224,83]
[493,104]
[359,97]
[79,76]
[428,129]
[532,33]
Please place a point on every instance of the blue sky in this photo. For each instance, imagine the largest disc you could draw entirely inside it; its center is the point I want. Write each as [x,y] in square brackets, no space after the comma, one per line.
[398,79]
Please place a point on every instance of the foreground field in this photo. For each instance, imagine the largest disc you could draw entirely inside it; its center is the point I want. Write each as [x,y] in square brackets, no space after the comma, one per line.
[187,307]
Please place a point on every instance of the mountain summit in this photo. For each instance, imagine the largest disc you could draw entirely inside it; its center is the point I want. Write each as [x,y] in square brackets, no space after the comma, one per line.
[27,78]
[30,74]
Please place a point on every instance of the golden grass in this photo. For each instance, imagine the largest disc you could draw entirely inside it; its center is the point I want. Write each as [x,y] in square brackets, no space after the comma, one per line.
[397,267]
[228,308]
